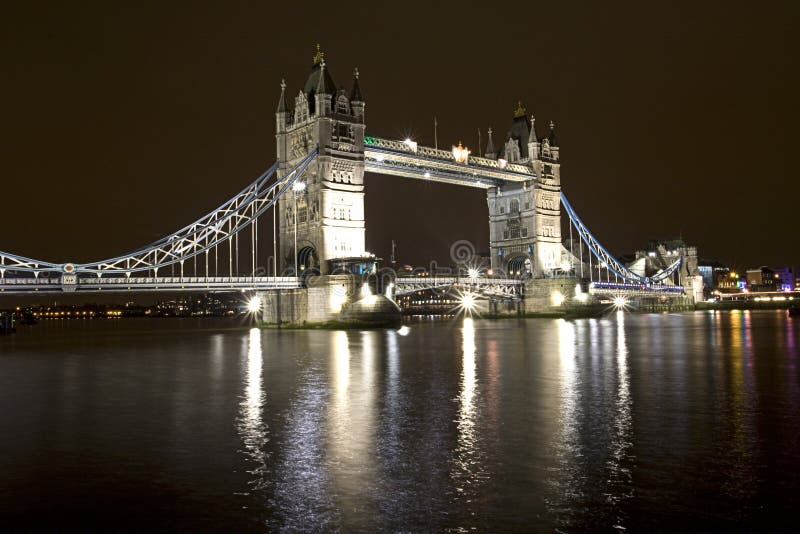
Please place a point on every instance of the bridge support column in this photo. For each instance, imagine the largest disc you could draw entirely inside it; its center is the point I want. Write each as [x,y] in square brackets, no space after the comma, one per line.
[562,296]
[340,300]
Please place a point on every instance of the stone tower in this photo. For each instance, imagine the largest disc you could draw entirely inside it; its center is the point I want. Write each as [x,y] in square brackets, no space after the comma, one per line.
[329,210]
[525,218]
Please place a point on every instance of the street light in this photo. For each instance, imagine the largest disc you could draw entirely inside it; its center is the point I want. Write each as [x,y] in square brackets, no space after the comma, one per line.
[461,153]
[298,187]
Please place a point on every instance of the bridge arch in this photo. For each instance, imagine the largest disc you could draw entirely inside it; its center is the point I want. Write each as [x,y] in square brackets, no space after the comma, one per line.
[519,265]
[307,259]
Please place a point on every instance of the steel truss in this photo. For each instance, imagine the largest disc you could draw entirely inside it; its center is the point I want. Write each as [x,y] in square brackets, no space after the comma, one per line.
[213,229]
[610,262]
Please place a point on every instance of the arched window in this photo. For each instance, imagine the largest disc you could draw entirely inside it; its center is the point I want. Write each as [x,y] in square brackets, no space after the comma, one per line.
[514,206]
[342,105]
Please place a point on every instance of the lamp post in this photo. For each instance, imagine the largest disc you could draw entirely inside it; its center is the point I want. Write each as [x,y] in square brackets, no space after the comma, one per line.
[297,188]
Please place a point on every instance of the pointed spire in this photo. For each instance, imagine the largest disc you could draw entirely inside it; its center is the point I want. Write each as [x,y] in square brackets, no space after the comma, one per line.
[490,150]
[520,112]
[355,94]
[321,83]
[532,137]
[282,101]
[552,136]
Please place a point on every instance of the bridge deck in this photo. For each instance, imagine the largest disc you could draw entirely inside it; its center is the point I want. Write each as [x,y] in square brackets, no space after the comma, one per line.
[135,283]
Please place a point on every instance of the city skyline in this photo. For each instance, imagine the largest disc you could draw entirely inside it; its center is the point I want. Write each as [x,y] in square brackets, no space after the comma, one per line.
[111,107]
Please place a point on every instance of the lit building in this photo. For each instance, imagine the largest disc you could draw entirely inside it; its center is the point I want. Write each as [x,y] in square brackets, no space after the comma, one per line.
[525,217]
[324,217]
[785,277]
[762,279]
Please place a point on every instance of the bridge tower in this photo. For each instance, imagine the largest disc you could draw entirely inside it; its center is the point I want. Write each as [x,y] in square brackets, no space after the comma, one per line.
[328,211]
[525,218]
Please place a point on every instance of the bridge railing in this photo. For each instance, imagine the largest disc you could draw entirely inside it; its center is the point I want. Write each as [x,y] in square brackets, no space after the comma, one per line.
[438,153]
[465,280]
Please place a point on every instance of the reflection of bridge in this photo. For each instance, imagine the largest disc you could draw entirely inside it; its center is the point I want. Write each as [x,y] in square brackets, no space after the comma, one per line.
[306,214]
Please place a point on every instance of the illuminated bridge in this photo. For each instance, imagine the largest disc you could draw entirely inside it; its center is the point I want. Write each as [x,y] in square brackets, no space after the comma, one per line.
[304,216]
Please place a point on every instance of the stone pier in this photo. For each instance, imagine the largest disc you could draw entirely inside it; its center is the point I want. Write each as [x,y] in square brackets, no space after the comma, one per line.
[337,300]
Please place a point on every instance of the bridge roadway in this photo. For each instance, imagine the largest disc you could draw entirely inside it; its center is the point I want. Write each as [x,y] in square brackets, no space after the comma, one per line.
[141,283]
[500,287]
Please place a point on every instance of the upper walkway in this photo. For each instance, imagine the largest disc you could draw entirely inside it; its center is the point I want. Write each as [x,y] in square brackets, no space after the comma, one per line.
[407,159]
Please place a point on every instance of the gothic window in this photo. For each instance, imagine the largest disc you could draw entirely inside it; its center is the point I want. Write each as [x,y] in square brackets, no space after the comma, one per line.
[524,231]
[342,105]
[505,234]
[302,214]
[502,209]
[514,206]
[527,204]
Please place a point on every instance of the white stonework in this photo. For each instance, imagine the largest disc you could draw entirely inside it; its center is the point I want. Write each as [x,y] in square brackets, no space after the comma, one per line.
[330,210]
[525,218]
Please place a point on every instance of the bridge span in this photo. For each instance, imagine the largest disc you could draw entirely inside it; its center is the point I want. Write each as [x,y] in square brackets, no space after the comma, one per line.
[313,198]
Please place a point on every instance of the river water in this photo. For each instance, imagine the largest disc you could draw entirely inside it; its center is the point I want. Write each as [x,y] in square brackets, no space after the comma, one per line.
[642,422]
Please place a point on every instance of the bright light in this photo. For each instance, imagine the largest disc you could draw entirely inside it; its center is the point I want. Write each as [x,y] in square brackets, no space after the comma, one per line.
[379,158]
[557,298]
[411,144]
[427,175]
[502,163]
[299,186]
[461,153]
[620,302]
[338,298]
[580,296]
[365,290]
[473,272]
[468,301]
[389,290]
[254,305]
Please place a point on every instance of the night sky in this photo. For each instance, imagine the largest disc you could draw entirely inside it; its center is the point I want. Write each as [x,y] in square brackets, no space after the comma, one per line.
[122,122]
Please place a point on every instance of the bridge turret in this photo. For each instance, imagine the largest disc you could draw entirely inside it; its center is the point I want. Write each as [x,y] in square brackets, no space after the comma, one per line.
[533,142]
[324,219]
[551,137]
[281,112]
[515,149]
[356,99]
[323,97]
[491,152]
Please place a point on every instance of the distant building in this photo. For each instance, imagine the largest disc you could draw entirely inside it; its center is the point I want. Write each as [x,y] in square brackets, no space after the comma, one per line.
[762,279]
[711,271]
[661,254]
[726,281]
[785,277]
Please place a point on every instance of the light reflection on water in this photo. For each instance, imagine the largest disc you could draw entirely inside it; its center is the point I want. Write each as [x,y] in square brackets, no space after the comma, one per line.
[637,422]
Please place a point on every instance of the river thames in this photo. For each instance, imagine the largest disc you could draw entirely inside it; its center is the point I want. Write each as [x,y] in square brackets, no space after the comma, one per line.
[643,422]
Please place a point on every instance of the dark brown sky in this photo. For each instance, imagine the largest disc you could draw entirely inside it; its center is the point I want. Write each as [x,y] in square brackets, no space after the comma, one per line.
[121,123]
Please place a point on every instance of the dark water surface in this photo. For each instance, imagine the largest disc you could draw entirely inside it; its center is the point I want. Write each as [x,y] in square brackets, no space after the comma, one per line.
[642,422]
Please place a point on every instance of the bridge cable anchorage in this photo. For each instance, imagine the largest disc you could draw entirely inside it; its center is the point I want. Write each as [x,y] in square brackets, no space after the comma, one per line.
[199,237]
[604,257]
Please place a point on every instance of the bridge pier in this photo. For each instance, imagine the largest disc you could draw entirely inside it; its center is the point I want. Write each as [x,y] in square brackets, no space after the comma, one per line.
[565,295]
[335,300]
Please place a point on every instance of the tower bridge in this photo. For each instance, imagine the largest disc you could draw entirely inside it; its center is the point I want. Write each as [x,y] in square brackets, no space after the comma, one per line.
[314,263]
